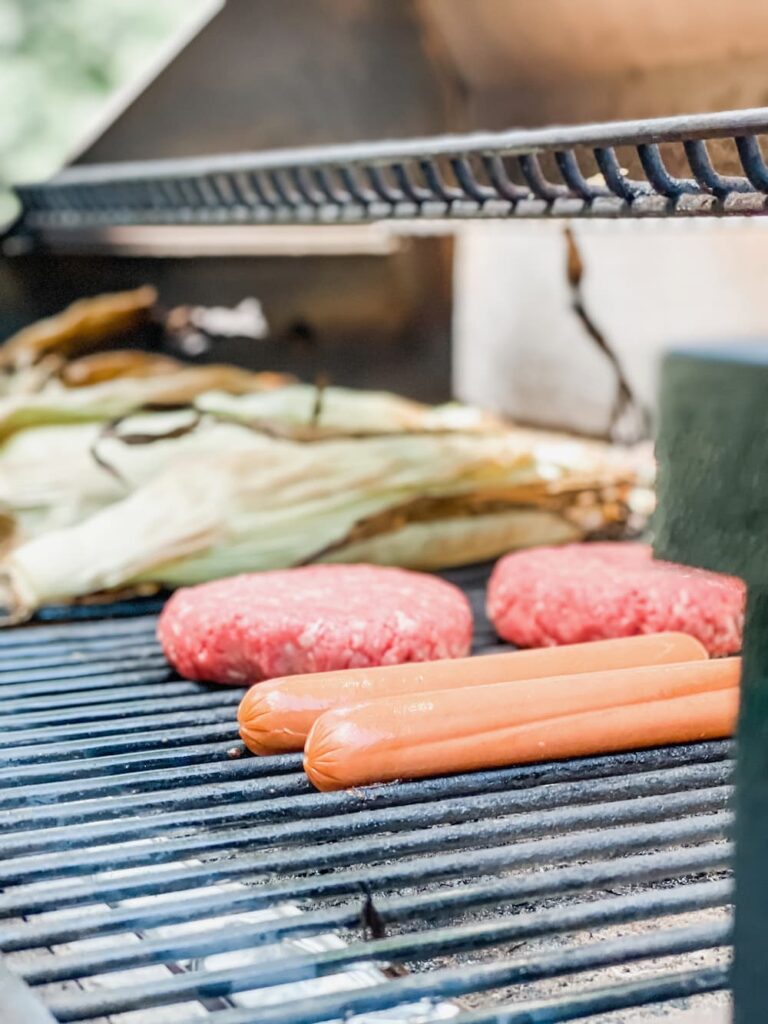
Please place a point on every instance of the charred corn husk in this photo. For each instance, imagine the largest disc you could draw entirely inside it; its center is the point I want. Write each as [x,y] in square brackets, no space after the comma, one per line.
[429,499]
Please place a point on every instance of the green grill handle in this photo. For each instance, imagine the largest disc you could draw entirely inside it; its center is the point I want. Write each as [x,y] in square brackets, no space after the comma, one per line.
[712,451]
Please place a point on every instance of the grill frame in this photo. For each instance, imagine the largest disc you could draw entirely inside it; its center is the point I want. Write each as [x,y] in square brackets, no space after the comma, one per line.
[632,819]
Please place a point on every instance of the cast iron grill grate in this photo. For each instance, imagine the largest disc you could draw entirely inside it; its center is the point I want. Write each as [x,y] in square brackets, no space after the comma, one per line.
[148,875]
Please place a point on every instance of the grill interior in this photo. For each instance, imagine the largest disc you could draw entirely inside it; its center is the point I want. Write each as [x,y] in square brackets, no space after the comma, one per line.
[151,873]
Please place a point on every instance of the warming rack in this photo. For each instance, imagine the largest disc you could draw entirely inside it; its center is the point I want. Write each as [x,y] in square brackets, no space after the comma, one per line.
[709,164]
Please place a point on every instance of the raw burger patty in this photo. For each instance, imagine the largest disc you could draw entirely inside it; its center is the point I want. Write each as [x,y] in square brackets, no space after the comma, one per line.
[549,596]
[312,619]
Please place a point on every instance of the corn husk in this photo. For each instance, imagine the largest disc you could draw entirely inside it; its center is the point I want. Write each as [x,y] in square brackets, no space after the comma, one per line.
[461,540]
[126,471]
[102,366]
[305,413]
[85,324]
[55,476]
[113,399]
[280,502]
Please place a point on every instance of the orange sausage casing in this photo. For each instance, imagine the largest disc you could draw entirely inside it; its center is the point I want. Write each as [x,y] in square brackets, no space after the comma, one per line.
[492,726]
[276,716]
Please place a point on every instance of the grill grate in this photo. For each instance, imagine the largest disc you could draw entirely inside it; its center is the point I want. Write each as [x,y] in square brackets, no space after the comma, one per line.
[710,164]
[147,869]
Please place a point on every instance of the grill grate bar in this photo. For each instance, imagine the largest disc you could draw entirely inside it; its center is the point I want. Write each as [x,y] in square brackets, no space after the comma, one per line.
[201,795]
[142,725]
[112,766]
[451,982]
[429,906]
[401,815]
[103,652]
[415,871]
[133,713]
[273,810]
[85,683]
[44,768]
[145,781]
[133,696]
[175,737]
[411,947]
[153,662]
[27,637]
[604,1000]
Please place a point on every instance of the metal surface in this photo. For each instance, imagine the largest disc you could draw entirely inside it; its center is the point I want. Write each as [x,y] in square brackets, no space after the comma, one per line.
[147,867]
[750,995]
[712,442]
[478,175]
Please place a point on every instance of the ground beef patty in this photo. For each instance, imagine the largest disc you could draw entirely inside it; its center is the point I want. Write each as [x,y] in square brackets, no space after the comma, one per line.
[566,595]
[312,619]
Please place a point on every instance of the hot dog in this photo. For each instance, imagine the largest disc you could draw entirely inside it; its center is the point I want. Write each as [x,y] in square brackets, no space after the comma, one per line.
[510,723]
[276,716]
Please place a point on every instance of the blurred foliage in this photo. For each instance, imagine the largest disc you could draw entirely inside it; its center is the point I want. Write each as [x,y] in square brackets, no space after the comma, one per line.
[60,60]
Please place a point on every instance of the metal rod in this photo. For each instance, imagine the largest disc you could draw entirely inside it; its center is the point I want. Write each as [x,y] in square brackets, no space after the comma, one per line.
[619,133]
[175,737]
[701,165]
[200,796]
[154,662]
[413,871]
[15,706]
[437,186]
[604,1000]
[418,946]
[135,712]
[469,183]
[112,680]
[622,187]
[658,175]
[539,185]
[151,192]
[425,907]
[314,805]
[574,179]
[143,725]
[34,636]
[753,162]
[84,651]
[106,765]
[457,981]
[505,187]
[146,781]
[403,808]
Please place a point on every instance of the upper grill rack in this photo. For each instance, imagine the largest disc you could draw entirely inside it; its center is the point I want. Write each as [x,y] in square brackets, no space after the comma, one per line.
[485,175]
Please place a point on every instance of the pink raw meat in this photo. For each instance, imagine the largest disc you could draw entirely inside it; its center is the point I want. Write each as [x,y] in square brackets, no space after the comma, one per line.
[566,595]
[312,619]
